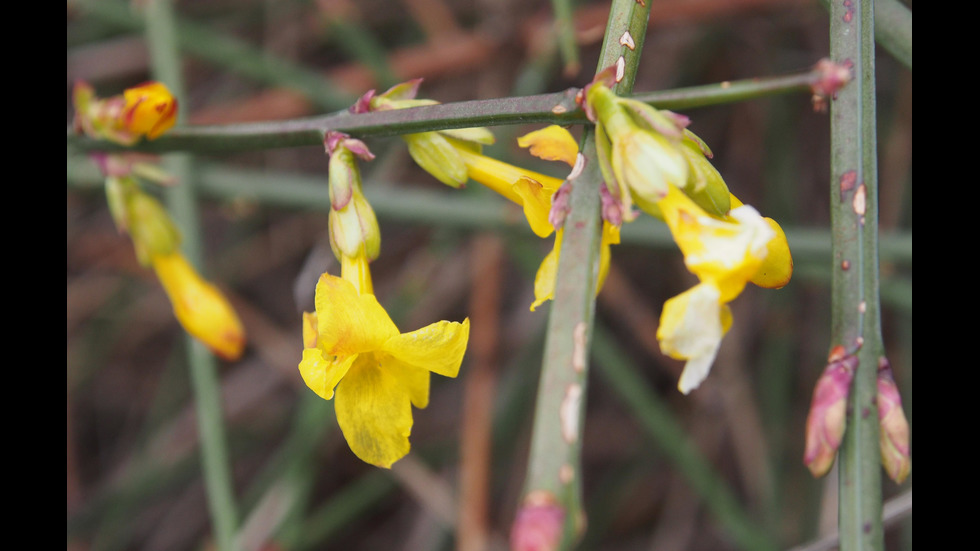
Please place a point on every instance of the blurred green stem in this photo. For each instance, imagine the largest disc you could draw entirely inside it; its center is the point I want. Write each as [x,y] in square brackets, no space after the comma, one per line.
[669,435]
[204,373]
[855,306]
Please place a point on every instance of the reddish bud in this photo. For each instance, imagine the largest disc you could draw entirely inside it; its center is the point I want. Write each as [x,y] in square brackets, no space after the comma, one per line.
[895,449]
[538,525]
[828,412]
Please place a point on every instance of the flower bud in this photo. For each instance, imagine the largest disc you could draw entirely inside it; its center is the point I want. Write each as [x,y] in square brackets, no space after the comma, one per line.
[538,525]
[145,110]
[354,229]
[437,156]
[704,184]
[150,110]
[149,225]
[828,412]
[200,307]
[894,433]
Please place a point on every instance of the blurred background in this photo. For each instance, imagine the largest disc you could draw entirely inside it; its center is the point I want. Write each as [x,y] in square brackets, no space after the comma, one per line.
[133,470]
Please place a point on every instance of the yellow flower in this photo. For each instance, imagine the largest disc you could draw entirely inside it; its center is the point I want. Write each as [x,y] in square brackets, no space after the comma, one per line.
[200,307]
[354,350]
[150,110]
[725,255]
[145,110]
[544,280]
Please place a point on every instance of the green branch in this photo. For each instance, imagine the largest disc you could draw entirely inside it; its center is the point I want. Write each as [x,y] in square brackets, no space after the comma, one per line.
[554,108]
[203,367]
[855,306]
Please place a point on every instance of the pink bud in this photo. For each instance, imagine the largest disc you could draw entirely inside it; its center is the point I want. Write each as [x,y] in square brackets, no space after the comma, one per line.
[828,411]
[894,426]
[538,525]
[833,77]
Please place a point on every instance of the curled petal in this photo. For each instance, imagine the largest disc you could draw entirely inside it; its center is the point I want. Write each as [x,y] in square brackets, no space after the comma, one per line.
[544,279]
[691,327]
[536,201]
[374,412]
[322,374]
[553,143]
[438,347]
[777,269]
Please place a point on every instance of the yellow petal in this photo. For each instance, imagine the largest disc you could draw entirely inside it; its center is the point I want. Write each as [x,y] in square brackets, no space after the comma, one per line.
[544,280]
[610,236]
[438,347]
[726,252]
[777,269]
[374,412]
[537,205]
[150,109]
[500,176]
[309,330]
[415,380]
[349,322]
[321,374]
[691,328]
[200,307]
[553,143]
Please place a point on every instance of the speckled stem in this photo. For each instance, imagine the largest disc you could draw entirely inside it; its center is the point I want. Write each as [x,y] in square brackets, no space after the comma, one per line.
[855,306]
[552,491]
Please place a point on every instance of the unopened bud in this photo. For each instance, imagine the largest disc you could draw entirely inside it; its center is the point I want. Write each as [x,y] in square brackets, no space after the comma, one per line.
[150,110]
[437,156]
[149,225]
[828,411]
[538,525]
[894,435]
[704,184]
[354,229]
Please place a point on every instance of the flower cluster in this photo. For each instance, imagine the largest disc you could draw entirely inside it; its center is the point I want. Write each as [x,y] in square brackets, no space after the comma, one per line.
[353,352]
[650,159]
[149,110]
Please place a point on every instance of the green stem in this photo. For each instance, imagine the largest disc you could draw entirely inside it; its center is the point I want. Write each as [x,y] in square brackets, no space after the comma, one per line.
[855,305]
[554,467]
[554,108]
[204,374]
[565,29]
[893,29]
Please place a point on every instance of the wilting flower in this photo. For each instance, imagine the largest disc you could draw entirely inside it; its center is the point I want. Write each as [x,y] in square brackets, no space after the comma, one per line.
[200,307]
[894,427]
[828,411]
[725,255]
[355,353]
[146,110]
